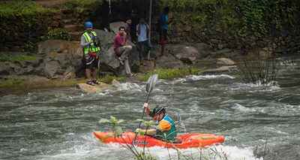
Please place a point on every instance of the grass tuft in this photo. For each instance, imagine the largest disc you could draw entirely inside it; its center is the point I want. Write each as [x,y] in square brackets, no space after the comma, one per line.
[170,73]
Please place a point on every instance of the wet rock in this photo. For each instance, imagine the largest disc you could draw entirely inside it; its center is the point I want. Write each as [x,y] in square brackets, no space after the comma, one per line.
[187,54]
[219,70]
[4,68]
[115,83]
[60,46]
[92,89]
[51,69]
[69,73]
[147,65]
[203,49]
[225,62]
[169,61]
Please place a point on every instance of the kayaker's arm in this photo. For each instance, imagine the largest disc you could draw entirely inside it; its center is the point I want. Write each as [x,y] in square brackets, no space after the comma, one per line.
[146,107]
[151,132]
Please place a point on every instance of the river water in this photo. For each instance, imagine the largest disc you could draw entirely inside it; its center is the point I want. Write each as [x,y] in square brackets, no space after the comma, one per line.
[57,124]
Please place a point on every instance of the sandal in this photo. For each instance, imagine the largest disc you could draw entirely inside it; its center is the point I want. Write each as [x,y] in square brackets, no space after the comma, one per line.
[96,82]
[90,83]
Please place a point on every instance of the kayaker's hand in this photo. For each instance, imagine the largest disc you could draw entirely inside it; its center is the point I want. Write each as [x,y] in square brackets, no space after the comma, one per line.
[146,105]
[140,131]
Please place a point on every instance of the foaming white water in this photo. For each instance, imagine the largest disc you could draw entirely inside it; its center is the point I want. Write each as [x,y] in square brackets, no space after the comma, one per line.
[78,147]
[203,77]
[214,152]
[254,87]
[130,86]
[242,108]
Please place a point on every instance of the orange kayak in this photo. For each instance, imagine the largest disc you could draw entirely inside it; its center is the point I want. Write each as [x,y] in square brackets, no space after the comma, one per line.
[189,140]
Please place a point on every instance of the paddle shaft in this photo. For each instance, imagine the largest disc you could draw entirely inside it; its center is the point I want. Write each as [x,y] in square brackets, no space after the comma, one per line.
[148,95]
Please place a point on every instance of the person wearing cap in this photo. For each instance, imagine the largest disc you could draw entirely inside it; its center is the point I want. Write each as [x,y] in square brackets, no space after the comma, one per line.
[165,130]
[91,47]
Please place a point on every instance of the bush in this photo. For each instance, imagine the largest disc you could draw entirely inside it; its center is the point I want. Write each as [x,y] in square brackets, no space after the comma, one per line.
[22,7]
[57,33]
[241,17]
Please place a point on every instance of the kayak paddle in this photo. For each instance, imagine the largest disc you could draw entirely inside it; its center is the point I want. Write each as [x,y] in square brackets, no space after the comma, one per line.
[149,87]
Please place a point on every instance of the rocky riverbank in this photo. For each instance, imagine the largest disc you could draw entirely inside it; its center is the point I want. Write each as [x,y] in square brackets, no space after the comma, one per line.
[58,63]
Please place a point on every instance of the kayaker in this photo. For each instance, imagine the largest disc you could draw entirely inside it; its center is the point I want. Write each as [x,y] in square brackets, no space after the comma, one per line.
[91,47]
[165,130]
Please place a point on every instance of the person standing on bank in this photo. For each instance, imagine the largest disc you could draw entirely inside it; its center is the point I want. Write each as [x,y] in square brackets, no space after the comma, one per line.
[142,33]
[91,47]
[128,29]
[163,30]
[122,49]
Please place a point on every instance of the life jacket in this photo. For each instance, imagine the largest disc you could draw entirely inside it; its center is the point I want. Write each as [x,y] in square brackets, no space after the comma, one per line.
[169,135]
[93,48]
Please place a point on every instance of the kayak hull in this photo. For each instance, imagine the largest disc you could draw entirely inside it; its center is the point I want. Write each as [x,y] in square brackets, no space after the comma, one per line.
[189,140]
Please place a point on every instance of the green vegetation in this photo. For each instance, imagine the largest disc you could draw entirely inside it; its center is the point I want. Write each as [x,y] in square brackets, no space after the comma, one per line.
[21,84]
[14,58]
[109,79]
[57,33]
[82,4]
[22,7]
[241,18]
[12,83]
[170,73]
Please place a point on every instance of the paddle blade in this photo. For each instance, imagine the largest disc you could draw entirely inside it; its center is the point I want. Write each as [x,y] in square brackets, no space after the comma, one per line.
[151,83]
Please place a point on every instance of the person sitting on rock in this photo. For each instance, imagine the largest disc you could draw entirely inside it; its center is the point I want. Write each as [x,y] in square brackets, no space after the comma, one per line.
[122,49]
[165,130]
[91,47]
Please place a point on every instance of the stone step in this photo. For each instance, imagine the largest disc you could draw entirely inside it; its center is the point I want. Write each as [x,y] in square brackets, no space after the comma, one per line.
[75,36]
[72,27]
[68,21]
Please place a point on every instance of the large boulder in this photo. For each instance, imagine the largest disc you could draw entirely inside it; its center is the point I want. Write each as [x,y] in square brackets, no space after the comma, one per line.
[109,61]
[106,38]
[51,68]
[169,61]
[203,49]
[187,54]
[59,55]
[60,46]
[223,69]
[114,27]
[4,68]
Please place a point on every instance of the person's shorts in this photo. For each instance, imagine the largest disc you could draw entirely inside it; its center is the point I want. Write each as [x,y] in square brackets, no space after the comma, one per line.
[163,37]
[90,62]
